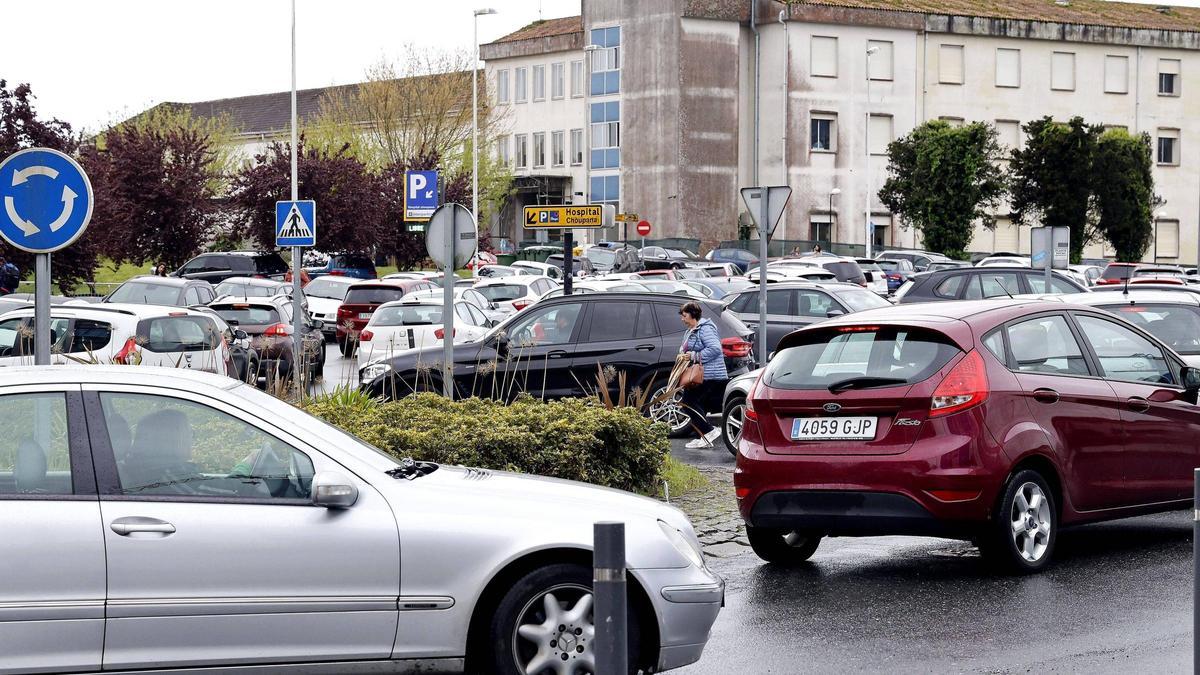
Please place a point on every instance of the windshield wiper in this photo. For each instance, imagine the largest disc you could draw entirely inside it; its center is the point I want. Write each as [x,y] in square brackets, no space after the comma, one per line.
[410,469]
[864,383]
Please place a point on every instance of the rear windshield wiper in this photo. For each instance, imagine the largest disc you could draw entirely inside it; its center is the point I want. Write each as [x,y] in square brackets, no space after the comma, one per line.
[864,383]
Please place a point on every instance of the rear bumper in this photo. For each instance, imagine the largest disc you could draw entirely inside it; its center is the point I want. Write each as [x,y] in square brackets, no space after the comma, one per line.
[850,513]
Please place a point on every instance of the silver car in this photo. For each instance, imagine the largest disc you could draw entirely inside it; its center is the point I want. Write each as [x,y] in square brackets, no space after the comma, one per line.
[161,519]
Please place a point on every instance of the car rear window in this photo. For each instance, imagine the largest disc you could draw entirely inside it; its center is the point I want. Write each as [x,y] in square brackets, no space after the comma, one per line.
[356,261]
[248,315]
[1117,272]
[270,263]
[860,300]
[416,315]
[859,357]
[373,295]
[1176,325]
[845,270]
[146,293]
[502,292]
[324,288]
[167,334]
[246,290]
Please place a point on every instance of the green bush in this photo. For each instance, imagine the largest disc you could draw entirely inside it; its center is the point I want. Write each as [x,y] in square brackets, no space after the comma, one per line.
[576,439]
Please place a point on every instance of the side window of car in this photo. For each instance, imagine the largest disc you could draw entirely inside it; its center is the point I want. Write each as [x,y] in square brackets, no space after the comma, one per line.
[171,446]
[779,301]
[814,303]
[1037,284]
[742,302]
[1123,354]
[191,296]
[994,342]
[612,321]
[89,336]
[951,286]
[477,317]
[35,456]
[992,285]
[195,265]
[667,316]
[1046,345]
[646,327]
[16,338]
[552,325]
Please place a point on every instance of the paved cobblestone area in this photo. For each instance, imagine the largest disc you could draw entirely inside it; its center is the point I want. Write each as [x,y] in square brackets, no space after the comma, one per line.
[714,513]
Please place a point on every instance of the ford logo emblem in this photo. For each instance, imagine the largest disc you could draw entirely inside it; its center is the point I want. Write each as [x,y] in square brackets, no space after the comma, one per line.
[831,407]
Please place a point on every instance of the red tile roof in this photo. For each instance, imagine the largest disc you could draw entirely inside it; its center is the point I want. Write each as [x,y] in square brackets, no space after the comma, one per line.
[546,28]
[1085,12]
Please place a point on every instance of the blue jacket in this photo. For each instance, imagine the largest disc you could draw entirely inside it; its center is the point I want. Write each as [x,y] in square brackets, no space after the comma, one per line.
[704,344]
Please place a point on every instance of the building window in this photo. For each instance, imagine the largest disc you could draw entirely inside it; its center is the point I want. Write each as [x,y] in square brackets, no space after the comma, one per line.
[1062,71]
[824,56]
[881,133]
[576,79]
[606,135]
[539,83]
[522,85]
[606,61]
[558,80]
[522,150]
[880,67]
[1166,239]
[539,150]
[502,86]
[1008,67]
[881,232]
[576,147]
[503,151]
[605,190]
[557,154]
[1168,77]
[820,229]
[1008,133]
[950,64]
[823,133]
[953,121]
[1168,146]
[1116,74]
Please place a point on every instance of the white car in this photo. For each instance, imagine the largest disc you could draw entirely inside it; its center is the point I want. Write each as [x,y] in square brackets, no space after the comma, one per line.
[466,294]
[496,271]
[793,273]
[325,294]
[513,294]
[148,335]
[540,268]
[170,519]
[1004,260]
[600,286]
[1170,316]
[413,323]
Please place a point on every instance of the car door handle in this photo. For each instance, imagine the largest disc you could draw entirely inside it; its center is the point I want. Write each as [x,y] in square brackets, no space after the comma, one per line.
[1045,395]
[132,524]
[556,354]
[1138,404]
[644,348]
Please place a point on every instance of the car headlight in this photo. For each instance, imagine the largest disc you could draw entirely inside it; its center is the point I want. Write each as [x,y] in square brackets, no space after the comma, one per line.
[687,548]
[374,370]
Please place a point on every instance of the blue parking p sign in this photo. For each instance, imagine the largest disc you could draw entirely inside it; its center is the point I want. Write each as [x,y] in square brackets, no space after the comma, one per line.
[420,194]
[296,223]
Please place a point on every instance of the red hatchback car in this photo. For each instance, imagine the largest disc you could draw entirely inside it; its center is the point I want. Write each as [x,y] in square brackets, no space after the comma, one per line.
[995,421]
[361,302]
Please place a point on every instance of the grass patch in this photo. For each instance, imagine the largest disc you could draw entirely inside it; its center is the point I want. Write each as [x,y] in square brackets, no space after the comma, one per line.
[681,478]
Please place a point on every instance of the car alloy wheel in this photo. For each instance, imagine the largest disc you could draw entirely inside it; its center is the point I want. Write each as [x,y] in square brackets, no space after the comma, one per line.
[554,632]
[1031,522]
[669,410]
[731,423]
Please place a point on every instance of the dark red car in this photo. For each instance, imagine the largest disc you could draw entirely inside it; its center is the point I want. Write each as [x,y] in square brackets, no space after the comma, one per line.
[361,302]
[995,421]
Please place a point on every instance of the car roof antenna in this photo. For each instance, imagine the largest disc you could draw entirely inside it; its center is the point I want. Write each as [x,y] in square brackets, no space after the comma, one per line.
[1126,291]
[1002,287]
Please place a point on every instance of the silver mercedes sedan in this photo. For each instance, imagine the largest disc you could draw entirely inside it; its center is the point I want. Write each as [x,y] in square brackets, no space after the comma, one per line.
[161,518]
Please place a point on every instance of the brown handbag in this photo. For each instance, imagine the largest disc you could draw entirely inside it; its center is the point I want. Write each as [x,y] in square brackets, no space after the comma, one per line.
[693,376]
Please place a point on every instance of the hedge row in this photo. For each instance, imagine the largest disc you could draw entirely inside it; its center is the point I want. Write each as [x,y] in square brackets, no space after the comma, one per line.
[576,439]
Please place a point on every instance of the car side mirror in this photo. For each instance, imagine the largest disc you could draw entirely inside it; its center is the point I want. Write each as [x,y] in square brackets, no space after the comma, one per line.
[1190,378]
[240,334]
[770,356]
[316,324]
[834,313]
[662,256]
[333,490]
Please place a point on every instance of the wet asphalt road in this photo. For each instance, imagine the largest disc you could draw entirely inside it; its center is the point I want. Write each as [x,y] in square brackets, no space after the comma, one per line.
[1119,599]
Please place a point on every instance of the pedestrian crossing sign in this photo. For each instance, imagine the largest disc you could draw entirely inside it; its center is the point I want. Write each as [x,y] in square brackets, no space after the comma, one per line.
[296,223]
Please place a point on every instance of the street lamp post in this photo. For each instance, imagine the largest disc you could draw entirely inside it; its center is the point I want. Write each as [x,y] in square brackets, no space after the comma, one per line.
[475,114]
[867,142]
[832,193]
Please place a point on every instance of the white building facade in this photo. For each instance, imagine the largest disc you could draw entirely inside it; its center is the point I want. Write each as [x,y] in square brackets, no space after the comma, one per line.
[671,115]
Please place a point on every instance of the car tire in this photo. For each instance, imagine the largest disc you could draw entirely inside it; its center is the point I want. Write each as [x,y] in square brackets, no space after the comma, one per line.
[669,412]
[780,546]
[734,414]
[347,348]
[508,652]
[1024,527]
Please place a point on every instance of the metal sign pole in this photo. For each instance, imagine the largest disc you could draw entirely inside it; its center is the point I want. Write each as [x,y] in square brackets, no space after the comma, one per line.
[763,226]
[41,310]
[568,251]
[297,311]
[448,309]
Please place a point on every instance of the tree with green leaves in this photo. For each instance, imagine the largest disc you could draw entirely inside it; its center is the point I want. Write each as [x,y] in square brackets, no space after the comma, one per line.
[942,179]
[1052,177]
[1123,185]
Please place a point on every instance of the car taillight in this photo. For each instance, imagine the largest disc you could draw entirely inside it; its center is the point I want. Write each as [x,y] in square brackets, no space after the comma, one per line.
[337,273]
[894,276]
[278,330]
[735,348]
[966,386]
[441,333]
[366,336]
[521,304]
[260,276]
[129,355]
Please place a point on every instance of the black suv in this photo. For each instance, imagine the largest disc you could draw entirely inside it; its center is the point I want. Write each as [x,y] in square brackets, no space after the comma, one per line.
[551,350]
[977,283]
[217,267]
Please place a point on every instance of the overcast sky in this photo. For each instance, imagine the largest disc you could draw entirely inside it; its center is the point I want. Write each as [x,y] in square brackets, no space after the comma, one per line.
[93,62]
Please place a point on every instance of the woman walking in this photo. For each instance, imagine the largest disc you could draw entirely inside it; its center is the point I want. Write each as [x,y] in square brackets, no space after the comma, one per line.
[703,345]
